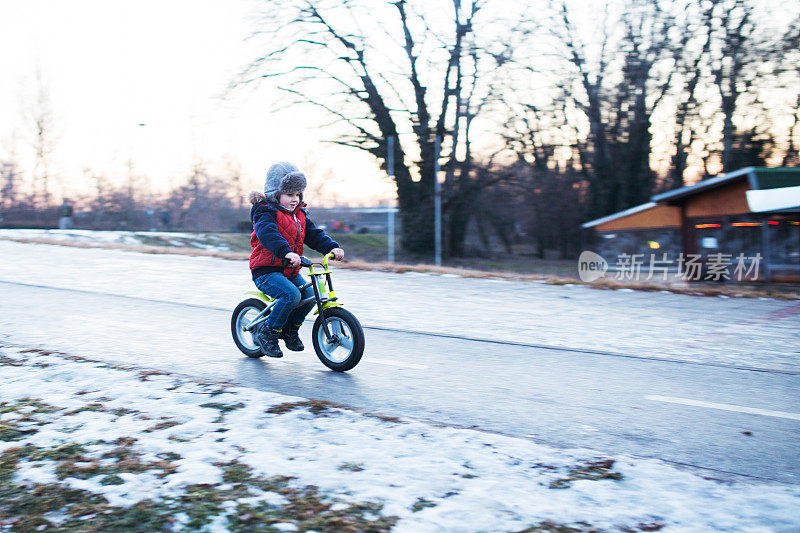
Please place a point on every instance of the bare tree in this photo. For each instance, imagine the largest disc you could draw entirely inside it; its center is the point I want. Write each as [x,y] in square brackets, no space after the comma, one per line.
[732,29]
[616,94]
[691,54]
[396,69]
[546,181]
[745,64]
[791,156]
[9,184]
[790,56]
[233,169]
[206,201]
[40,118]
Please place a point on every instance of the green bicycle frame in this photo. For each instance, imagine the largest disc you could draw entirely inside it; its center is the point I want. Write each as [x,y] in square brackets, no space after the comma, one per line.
[318,283]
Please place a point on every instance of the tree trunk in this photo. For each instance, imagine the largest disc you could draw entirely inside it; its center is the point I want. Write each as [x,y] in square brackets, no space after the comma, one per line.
[417,216]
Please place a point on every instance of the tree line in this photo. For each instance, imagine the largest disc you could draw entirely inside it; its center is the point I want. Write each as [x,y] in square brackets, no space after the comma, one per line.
[548,114]
[545,115]
[206,201]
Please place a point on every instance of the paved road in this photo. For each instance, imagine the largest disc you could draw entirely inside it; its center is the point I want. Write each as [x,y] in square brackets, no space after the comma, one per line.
[572,398]
[738,332]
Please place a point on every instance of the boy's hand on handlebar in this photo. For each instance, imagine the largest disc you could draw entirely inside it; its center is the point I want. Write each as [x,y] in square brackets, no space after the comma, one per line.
[338,254]
[293,259]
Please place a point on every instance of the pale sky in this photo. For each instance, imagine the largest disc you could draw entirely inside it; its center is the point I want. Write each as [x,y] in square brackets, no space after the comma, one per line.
[110,65]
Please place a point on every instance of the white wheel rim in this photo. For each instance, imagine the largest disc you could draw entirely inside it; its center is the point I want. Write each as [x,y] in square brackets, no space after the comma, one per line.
[342,346]
[246,338]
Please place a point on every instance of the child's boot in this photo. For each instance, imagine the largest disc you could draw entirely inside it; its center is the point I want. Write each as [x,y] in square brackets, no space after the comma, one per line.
[268,339]
[292,339]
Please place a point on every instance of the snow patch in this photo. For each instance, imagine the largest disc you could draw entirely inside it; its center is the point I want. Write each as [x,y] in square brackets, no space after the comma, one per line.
[432,478]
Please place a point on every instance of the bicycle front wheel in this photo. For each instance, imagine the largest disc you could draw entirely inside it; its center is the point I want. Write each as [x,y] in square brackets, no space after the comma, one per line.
[344,349]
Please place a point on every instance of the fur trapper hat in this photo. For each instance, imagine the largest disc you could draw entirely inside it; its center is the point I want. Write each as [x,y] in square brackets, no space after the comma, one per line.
[283,178]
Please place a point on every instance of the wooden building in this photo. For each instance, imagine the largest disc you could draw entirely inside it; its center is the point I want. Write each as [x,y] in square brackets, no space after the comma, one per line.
[752,213]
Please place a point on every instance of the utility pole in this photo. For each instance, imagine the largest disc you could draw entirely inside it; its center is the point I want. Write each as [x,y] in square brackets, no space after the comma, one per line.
[390,210]
[437,203]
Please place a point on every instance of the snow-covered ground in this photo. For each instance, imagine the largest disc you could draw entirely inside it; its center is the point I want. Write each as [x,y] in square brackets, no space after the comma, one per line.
[132,238]
[123,237]
[211,456]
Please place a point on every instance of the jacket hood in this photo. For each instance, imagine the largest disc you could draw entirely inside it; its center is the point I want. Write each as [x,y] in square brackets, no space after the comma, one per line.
[256,197]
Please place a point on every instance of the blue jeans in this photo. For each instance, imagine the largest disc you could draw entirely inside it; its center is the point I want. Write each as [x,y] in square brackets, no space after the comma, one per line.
[287,293]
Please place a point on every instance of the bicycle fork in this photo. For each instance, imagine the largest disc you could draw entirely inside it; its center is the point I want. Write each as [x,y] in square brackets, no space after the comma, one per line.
[321,308]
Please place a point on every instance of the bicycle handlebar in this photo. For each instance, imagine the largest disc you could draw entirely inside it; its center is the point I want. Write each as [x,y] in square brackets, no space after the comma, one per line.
[306,262]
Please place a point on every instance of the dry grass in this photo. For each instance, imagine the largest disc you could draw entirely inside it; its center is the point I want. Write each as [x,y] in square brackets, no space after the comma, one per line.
[780,292]
[357,264]
[695,289]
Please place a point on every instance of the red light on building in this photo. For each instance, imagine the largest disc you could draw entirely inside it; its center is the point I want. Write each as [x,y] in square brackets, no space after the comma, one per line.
[773,222]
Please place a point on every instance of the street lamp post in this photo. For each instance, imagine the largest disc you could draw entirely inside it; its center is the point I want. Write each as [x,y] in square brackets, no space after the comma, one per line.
[437,204]
[390,211]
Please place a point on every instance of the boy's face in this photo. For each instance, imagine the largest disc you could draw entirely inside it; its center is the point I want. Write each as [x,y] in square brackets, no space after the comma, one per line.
[290,200]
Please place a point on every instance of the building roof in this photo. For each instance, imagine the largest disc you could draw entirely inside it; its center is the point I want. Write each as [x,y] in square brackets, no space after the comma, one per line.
[775,178]
[775,199]
[744,173]
[620,214]
[760,179]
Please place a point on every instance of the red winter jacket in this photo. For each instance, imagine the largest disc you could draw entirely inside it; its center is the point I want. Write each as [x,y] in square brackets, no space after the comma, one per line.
[276,232]
[292,227]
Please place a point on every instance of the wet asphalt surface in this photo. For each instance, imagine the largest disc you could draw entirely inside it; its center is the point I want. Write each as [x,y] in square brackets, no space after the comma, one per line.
[558,397]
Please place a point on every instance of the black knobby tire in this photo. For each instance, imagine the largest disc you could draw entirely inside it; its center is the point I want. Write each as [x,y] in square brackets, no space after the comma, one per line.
[244,340]
[345,355]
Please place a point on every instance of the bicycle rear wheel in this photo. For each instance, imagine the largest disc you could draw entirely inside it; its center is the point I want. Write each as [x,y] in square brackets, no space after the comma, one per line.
[346,346]
[244,313]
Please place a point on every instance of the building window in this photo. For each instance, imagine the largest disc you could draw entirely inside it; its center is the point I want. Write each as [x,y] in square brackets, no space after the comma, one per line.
[783,232]
[651,241]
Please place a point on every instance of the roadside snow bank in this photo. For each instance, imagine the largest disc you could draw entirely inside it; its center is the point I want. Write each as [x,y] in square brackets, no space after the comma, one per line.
[96,443]
[203,241]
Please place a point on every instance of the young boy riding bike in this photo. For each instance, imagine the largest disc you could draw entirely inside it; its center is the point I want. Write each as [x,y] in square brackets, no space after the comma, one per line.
[280,229]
